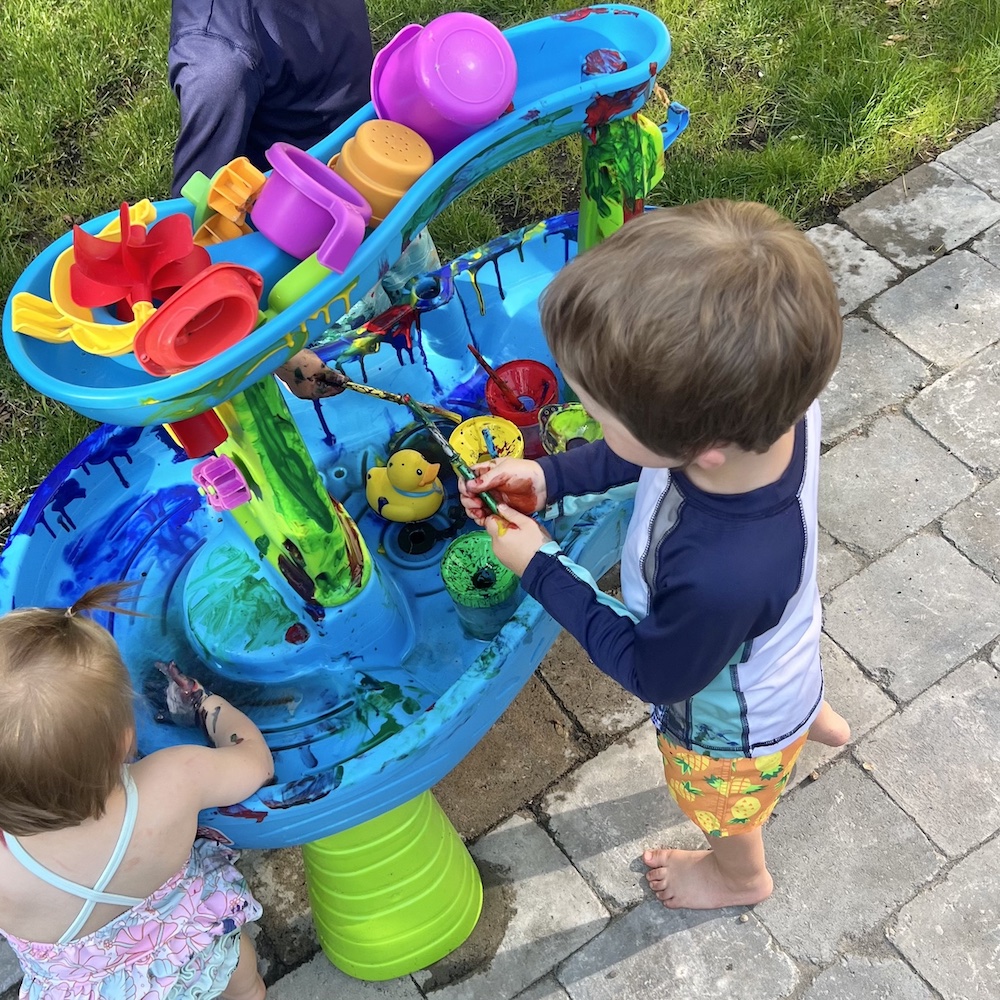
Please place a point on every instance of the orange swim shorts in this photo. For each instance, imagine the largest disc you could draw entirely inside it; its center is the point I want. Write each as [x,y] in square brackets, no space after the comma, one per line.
[727,795]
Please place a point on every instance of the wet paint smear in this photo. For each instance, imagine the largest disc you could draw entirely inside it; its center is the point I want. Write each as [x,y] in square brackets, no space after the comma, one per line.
[67,492]
[307,789]
[113,449]
[229,594]
[154,526]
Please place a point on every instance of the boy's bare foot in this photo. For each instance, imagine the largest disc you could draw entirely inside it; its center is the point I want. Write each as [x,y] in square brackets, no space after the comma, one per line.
[693,880]
[829,727]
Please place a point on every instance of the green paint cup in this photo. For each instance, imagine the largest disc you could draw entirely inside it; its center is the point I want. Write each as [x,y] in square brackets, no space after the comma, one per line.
[485,592]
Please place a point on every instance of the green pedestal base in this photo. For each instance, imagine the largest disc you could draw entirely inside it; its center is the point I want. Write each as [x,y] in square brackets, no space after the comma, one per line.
[394,894]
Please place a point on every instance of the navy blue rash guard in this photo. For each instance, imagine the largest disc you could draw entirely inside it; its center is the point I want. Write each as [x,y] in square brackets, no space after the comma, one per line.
[249,73]
[720,620]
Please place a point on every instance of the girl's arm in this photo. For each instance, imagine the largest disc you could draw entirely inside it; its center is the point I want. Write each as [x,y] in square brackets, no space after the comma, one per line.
[241,761]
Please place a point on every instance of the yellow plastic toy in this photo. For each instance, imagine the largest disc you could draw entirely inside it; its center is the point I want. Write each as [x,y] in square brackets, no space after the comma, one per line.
[481,438]
[63,320]
[407,489]
[217,229]
[234,188]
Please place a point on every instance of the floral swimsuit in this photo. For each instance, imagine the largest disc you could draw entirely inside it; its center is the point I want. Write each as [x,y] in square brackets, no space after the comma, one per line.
[182,941]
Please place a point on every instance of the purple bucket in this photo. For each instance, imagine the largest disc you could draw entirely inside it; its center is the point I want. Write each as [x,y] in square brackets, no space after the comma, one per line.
[305,208]
[446,80]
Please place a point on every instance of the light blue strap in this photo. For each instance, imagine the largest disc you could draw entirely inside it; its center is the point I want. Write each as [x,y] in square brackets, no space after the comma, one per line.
[95,895]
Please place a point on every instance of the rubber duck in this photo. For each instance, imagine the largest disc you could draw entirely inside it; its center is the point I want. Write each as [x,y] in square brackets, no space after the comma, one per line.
[406,489]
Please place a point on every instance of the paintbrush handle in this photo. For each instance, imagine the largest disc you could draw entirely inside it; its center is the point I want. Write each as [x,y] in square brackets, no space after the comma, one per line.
[506,391]
[460,466]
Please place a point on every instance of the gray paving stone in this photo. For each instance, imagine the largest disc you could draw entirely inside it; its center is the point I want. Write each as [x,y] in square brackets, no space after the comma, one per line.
[974,526]
[950,933]
[947,311]
[962,410]
[859,271]
[977,159]
[544,989]
[875,370]
[319,980]
[912,615]
[854,696]
[551,913]
[601,705]
[988,245]
[607,812]
[844,857]
[10,969]
[859,978]
[876,490]
[277,878]
[945,740]
[835,563]
[918,216]
[661,954]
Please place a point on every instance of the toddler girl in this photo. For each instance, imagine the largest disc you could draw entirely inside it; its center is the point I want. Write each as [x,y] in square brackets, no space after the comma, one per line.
[105,892]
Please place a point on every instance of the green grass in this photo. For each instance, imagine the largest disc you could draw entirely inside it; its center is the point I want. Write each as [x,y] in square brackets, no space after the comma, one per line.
[803,104]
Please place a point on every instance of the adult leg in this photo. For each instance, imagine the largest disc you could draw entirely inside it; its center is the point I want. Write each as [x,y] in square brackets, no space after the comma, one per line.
[245,983]
[733,873]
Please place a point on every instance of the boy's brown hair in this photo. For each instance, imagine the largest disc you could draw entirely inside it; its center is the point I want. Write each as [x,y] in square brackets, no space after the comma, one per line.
[66,715]
[700,325]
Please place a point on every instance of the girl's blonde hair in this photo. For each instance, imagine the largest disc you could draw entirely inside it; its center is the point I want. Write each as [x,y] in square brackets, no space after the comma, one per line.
[66,717]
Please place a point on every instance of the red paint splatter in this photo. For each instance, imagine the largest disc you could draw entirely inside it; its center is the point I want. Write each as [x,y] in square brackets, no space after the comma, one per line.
[240,811]
[297,634]
[580,14]
[604,107]
[602,61]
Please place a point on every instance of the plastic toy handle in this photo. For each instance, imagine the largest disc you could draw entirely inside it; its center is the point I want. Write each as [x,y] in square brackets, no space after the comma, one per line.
[677,121]
[33,316]
[344,238]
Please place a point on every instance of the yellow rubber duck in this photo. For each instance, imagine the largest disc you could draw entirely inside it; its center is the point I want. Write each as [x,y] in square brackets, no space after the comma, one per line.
[407,489]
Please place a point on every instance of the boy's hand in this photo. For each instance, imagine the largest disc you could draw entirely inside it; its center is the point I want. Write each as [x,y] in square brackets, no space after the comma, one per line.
[517,482]
[309,378]
[515,539]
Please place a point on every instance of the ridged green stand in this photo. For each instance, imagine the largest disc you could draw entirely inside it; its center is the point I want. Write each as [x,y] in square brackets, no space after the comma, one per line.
[394,894]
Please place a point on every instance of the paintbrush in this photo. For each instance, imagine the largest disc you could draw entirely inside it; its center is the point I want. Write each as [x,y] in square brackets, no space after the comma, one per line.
[395,397]
[505,390]
[456,461]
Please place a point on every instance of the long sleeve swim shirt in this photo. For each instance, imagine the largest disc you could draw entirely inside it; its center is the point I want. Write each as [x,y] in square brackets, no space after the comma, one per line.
[719,623]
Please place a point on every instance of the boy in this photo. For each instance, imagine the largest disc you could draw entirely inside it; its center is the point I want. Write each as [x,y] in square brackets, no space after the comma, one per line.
[699,337]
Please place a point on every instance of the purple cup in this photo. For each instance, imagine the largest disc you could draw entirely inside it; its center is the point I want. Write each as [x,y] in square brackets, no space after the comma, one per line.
[304,208]
[446,80]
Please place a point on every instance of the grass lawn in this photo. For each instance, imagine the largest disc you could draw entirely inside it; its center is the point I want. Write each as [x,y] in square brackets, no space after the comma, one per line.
[803,104]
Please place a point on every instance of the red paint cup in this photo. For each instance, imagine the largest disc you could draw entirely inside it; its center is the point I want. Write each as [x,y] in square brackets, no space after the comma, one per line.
[536,386]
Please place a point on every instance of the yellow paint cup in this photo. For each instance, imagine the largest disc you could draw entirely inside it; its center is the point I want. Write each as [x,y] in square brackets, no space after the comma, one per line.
[472,438]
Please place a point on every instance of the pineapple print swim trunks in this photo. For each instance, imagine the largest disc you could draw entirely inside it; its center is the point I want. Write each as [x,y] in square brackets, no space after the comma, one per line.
[727,795]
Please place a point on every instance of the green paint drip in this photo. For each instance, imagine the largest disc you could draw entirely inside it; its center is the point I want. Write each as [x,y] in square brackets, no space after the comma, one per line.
[291,518]
[620,168]
[230,593]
